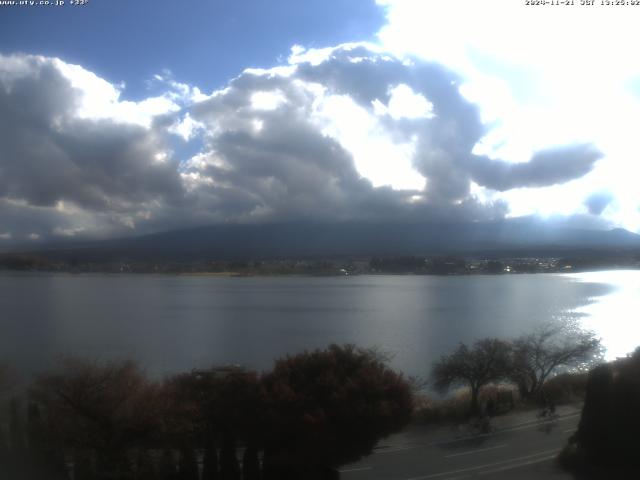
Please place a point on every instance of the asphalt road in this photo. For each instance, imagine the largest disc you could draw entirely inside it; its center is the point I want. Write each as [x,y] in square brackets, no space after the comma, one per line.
[524,449]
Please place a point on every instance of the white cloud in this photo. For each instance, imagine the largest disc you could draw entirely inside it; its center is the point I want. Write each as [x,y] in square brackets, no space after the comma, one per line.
[187,127]
[348,132]
[100,99]
[281,71]
[542,76]
[376,155]
[317,56]
[404,103]
[267,100]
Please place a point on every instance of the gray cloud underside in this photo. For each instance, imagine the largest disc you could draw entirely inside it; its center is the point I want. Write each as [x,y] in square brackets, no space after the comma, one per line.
[48,155]
[61,173]
[547,167]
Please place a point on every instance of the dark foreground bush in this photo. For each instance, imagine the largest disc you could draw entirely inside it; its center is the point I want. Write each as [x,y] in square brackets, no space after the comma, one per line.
[314,412]
[607,436]
[328,408]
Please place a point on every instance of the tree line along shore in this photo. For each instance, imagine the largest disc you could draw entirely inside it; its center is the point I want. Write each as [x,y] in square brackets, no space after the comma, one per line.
[495,263]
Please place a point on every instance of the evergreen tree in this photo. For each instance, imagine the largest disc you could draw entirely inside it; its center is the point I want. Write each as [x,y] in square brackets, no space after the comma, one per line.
[229,467]
[124,467]
[167,468]
[210,461]
[82,465]
[188,464]
[16,429]
[250,463]
[4,448]
[55,463]
[145,467]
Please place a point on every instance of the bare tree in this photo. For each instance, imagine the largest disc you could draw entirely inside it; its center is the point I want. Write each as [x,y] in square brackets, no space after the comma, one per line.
[552,347]
[105,408]
[486,361]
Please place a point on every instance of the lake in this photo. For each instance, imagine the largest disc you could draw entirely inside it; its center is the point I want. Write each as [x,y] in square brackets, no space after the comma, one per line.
[175,323]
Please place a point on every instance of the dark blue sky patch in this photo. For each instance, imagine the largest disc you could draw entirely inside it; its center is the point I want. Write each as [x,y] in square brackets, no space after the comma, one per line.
[204,42]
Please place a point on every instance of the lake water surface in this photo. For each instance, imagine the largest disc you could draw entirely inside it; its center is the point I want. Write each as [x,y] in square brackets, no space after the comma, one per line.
[175,323]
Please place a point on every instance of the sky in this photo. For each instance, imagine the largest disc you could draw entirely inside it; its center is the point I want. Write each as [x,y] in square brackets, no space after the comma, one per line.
[122,118]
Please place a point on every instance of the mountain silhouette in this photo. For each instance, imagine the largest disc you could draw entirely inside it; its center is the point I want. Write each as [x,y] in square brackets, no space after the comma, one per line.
[307,239]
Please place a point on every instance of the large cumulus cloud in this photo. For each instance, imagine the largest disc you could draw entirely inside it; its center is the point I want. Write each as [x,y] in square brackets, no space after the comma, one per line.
[273,145]
[54,161]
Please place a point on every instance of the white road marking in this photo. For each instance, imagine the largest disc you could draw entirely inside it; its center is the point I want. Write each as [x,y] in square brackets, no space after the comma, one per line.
[479,467]
[569,430]
[520,426]
[533,425]
[470,452]
[397,449]
[517,465]
[359,469]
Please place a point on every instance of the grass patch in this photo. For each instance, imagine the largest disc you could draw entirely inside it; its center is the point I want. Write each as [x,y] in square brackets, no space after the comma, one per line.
[455,408]
[563,389]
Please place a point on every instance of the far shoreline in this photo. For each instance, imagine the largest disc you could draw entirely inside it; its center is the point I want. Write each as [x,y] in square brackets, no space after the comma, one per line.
[254,274]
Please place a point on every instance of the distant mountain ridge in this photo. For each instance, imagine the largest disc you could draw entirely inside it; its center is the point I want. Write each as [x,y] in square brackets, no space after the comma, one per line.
[306,239]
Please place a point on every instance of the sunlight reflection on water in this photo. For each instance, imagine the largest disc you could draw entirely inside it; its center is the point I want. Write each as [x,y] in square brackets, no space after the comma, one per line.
[614,317]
